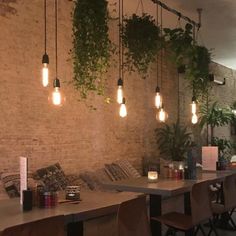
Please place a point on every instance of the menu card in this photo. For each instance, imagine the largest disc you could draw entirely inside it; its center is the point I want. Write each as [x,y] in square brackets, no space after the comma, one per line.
[23,176]
[209,157]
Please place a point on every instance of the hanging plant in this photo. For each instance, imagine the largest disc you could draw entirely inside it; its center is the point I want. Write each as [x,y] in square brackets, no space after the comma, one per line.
[193,58]
[197,70]
[92,47]
[179,41]
[142,40]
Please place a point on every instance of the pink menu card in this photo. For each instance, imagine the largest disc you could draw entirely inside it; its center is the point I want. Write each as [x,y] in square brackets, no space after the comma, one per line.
[209,157]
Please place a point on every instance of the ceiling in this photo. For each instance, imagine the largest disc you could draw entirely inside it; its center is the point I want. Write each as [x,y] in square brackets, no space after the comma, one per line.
[218,31]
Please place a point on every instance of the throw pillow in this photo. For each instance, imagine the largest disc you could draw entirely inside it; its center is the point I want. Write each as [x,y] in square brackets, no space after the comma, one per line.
[53,177]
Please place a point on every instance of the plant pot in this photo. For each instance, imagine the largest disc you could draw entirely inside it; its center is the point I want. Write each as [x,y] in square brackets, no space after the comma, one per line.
[181,69]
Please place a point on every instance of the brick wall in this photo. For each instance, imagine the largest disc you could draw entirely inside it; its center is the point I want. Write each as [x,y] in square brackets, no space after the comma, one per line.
[73,135]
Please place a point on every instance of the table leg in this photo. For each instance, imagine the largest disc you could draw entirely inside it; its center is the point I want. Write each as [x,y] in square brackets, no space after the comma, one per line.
[75,229]
[155,210]
[187,210]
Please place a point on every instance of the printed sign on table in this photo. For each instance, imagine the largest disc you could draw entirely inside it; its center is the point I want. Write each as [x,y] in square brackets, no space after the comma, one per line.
[209,157]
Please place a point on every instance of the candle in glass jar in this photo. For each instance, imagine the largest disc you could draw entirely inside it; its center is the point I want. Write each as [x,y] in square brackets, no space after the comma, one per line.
[152,175]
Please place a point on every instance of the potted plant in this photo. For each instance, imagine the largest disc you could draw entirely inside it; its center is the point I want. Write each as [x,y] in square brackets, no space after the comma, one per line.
[174,141]
[216,116]
[141,38]
[191,59]
[179,41]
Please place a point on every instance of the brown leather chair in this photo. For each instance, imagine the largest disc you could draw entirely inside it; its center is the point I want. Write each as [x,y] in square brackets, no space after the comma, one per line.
[53,226]
[132,218]
[228,200]
[200,211]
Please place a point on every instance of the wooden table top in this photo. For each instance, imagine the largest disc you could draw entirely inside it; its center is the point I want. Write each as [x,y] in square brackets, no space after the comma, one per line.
[93,204]
[164,187]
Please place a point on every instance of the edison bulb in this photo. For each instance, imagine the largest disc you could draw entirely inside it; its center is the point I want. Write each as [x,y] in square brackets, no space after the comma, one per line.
[161,115]
[194,107]
[45,75]
[56,96]
[194,119]
[123,110]
[158,100]
[120,94]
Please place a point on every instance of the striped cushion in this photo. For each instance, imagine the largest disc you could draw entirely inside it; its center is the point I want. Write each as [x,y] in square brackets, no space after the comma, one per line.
[128,169]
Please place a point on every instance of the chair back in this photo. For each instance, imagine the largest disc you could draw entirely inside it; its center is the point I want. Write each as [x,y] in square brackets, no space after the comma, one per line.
[229,192]
[200,202]
[132,218]
[53,226]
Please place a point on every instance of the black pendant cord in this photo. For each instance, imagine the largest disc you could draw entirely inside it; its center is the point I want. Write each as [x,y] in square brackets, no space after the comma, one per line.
[45,26]
[119,42]
[161,50]
[178,101]
[122,48]
[157,65]
[56,35]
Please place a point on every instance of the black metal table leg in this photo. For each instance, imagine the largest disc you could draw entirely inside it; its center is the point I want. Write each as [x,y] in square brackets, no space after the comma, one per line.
[75,229]
[155,210]
[187,210]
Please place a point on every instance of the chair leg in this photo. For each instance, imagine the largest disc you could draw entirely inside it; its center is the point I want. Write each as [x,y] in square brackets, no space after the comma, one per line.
[231,220]
[212,228]
[232,211]
[197,229]
[202,230]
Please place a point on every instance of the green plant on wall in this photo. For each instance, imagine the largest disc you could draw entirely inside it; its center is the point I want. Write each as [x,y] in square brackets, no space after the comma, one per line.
[173,141]
[92,47]
[142,40]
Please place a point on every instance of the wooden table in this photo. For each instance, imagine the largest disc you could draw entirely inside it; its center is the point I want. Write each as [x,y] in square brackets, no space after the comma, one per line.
[165,188]
[93,205]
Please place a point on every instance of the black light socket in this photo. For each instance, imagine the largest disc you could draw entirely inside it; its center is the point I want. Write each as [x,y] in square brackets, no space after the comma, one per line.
[45,59]
[120,82]
[194,99]
[158,89]
[56,83]
[123,101]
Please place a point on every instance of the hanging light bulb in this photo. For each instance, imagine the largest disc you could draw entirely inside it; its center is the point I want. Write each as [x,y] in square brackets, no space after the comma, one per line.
[123,110]
[56,94]
[194,105]
[45,72]
[45,59]
[162,115]
[194,119]
[120,91]
[158,98]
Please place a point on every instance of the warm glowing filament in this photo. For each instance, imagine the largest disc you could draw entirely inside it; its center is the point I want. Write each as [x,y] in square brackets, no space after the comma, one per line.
[158,100]
[123,110]
[162,115]
[45,75]
[120,94]
[194,119]
[194,107]
[56,97]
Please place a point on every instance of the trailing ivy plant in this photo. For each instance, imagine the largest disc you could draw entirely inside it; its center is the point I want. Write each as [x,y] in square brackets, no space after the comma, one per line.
[92,47]
[197,70]
[179,41]
[194,58]
[141,37]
